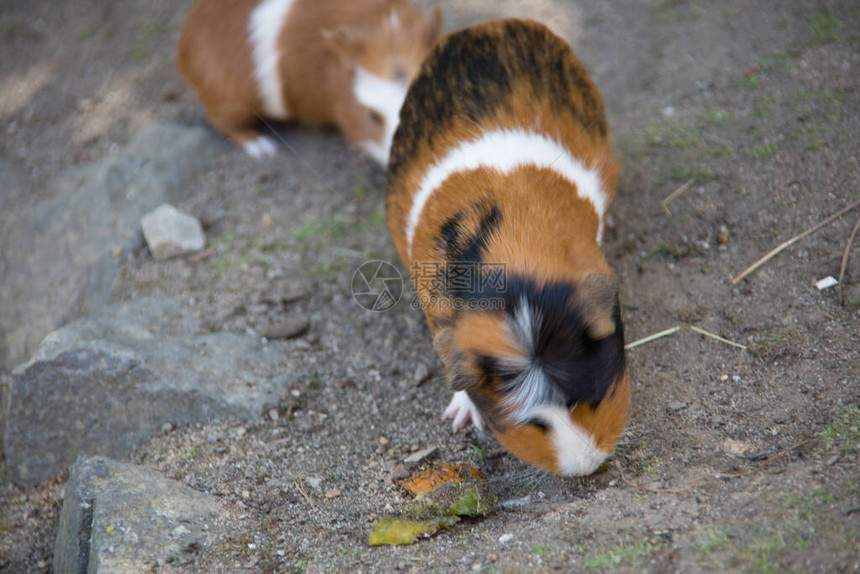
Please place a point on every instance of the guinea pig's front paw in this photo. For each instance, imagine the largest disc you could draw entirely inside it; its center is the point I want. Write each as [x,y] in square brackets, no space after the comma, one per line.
[462,409]
[261,148]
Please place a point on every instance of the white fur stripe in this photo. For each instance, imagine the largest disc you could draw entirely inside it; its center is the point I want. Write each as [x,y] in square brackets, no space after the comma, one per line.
[385,97]
[264,27]
[506,150]
[575,449]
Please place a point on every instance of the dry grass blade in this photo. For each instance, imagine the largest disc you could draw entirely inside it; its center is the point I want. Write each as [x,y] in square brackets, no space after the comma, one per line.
[305,494]
[715,337]
[794,240]
[653,337]
[845,261]
[677,328]
[684,187]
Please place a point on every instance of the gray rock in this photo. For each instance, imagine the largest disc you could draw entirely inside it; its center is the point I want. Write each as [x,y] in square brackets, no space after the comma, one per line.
[122,518]
[422,374]
[421,455]
[170,233]
[60,256]
[105,384]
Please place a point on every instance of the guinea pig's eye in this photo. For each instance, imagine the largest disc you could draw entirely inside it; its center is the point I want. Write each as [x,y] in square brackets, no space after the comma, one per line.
[376,117]
[539,424]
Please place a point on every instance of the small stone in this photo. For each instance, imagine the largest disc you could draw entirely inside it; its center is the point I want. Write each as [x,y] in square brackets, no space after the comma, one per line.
[332,493]
[421,455]
[736,447]
[677,405]
[287,330]
[476,567]
[314,482]
[273,414]
[166,428]
[505,538]
[422,373]
[384,441]
[241,431]
[169,232]
[826,283]
[492,557]
[296,393]
[246,494]
[180,531]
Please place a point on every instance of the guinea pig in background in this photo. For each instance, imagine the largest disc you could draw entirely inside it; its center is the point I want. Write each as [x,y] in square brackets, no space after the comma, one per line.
[501,173]
[341,63]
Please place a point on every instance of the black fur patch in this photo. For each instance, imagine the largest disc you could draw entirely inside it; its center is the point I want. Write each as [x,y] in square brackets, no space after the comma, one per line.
[457,243]
[471,74]
[579,368]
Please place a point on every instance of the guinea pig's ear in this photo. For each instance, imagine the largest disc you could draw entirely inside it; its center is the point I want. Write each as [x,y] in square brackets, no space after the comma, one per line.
[431,26]
[347,43]
[595,296]
[446,345]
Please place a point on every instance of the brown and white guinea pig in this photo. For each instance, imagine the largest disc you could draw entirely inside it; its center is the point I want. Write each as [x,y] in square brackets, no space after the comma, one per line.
[338,63]
[500,175]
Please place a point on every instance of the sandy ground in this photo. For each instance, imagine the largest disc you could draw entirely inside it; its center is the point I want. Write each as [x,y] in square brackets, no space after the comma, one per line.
[734,460]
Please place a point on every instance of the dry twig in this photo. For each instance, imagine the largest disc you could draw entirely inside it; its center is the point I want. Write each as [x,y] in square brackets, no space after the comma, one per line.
[657,490]
[845,261]
[765,462]
[305,494]
[794,240]
[684,187]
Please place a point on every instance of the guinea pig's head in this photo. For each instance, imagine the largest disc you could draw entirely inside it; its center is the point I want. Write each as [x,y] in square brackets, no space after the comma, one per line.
[391,43]
[545,369]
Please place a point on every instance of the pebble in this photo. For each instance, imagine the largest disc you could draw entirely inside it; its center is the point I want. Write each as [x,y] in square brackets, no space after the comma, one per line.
[314,482]
[169,232]
[736,447]
[421,455]
[505,538]
[384,441]
[677,405]
[273,414]
[422,373]
[287,330]
[332,493]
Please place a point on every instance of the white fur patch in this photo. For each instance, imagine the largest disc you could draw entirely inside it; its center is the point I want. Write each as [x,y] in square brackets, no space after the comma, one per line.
[462,409]
[385,97]
[264,27]
[576,452]
[506,150]
[261,147]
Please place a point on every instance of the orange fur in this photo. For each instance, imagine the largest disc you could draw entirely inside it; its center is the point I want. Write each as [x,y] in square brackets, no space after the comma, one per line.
[544,231]
[321,43]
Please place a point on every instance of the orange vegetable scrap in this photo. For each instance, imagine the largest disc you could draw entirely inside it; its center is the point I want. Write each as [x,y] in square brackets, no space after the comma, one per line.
[433,477]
